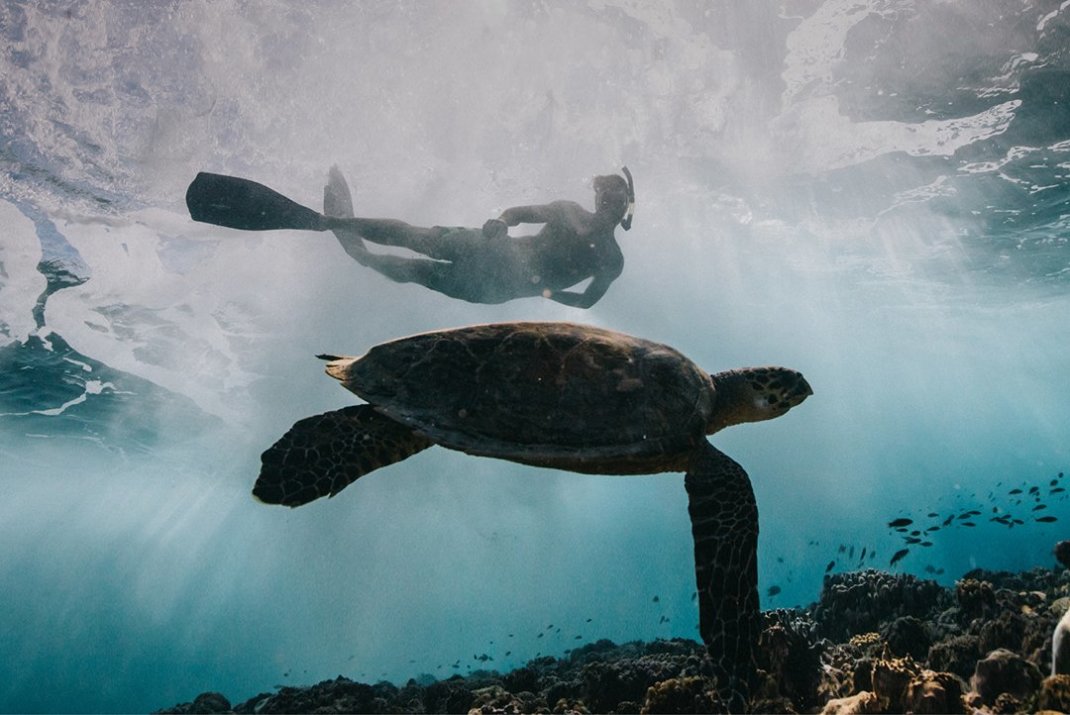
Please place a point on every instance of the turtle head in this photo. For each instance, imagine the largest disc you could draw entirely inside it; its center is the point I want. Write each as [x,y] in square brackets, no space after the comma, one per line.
[754,394]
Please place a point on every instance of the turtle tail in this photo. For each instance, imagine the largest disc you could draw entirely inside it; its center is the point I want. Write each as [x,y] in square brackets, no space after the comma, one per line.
[319,456]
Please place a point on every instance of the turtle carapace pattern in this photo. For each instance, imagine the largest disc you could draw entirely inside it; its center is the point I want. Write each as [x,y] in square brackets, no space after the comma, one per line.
[565,396]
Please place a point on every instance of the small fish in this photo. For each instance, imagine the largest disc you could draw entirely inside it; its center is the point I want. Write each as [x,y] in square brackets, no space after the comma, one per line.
[863,556]
[588,620]
[902,521]
[932,529]
[1038,507]
[656,599]
[1034,490]
[926,543]
[1056,490]
[694,595]
[915,533]
[912,540]
[1015,491]
[948,520]
[842,550]
[932,515]
[829,567]
[898,556]
[968,523]
[773,590]
[1053,482]
[1046,519]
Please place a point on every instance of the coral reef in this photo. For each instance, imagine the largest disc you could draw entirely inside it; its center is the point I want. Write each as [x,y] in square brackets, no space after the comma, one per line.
[860,601]
[873,643]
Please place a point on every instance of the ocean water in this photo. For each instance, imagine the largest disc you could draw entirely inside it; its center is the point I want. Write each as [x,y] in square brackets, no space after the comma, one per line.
[874,192]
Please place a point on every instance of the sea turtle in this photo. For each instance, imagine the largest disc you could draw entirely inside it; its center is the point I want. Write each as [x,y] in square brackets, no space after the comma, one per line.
[566,396]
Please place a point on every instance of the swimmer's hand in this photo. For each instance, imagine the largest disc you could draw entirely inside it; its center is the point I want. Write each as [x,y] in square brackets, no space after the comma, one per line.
[495,228]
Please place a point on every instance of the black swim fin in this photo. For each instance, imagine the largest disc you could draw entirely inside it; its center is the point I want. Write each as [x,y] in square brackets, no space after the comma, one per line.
[240,203]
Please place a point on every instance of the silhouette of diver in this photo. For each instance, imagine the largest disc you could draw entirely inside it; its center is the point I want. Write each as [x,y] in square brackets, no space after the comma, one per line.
[487,265]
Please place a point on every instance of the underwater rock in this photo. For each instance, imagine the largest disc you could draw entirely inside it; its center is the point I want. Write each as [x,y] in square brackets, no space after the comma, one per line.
[1005,631]
[907,635]
[933,692]
[1062,553]
[957,654]
[890,679]
[203,704]
[448,696]
[1054,694]
[689,694]
[606,684]
[1004,673]
[495,700]
[858,602]
[864,703]
[975,598]
[790,655]
[211,703]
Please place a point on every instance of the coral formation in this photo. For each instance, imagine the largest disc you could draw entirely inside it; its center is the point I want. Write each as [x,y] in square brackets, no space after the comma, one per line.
[874,642]
[859,601]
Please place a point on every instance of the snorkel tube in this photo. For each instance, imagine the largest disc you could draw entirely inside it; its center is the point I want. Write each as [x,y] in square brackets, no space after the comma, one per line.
[626,222]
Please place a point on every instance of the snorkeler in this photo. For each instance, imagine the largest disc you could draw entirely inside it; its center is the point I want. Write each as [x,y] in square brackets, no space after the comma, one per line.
[487,265]
[477,265]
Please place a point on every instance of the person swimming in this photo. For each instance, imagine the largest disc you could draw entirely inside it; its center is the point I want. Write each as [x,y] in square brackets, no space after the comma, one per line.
[489,266]
[479,265]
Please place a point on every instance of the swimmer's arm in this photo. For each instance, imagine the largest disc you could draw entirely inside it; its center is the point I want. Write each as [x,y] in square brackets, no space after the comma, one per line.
[539,213]
[594,292]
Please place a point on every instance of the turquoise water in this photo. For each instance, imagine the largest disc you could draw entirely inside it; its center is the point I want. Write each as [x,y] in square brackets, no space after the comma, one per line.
[844,188]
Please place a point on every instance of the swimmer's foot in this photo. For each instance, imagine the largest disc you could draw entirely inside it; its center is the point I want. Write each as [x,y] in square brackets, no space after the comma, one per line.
[338,203]
[337,198]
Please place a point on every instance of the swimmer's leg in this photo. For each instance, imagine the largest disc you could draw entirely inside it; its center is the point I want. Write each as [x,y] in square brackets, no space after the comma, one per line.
[436,275]
[385,231]
[445,244]
[338,202]
[437,242]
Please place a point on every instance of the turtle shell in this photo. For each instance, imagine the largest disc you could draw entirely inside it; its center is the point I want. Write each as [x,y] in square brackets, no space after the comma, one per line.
[550,394]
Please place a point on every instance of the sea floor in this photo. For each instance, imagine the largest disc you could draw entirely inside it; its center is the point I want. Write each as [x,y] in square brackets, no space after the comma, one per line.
[874,642]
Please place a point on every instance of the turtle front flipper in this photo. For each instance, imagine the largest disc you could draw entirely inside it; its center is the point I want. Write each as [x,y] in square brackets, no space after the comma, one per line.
[724,523]
[319,456]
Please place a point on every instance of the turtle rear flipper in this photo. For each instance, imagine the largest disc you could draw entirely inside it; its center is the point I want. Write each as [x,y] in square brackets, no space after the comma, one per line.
[724,523]
[319,456]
